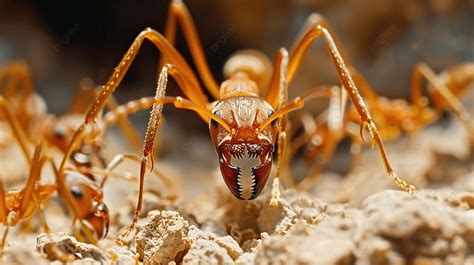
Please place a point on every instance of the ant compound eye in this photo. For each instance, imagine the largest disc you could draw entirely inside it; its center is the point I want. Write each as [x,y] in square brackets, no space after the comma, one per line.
[77,192]
[214,122]
[270,113]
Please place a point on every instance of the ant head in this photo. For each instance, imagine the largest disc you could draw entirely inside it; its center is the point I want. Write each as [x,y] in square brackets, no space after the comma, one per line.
[88,197]
[99,220]
[245,153]
[60,130]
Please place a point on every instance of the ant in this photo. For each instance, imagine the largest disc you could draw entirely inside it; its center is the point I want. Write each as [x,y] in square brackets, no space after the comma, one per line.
[82,195]
[244,126]
[86,200]
[56,131]
[395,116]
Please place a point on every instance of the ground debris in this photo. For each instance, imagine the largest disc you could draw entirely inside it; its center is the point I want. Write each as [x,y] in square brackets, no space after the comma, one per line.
[417,227]
[163,238]
[65,248]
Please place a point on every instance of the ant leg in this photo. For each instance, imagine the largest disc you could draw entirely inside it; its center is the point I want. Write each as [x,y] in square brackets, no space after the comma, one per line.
[19,78]
[278,95]
[4,240]
[192,90]
[275,199]
[334,123]
[118,159]
[153,124]
[3,206]
[42,218]
[99,171]
[319,91]
[308,126]
[441,95]
[17,130]
[127,128]
[317,27]
[356,145]
[3,216]
[366,90]
[279,84]
[115,162]
[179,13]
[84,96]
[35,173]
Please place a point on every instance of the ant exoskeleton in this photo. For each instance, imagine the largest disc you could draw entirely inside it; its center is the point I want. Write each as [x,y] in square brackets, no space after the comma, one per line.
[245,126]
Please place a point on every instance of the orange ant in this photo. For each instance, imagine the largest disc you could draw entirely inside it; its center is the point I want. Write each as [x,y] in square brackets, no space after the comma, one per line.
[82,191]
[83,196]
[245,127]
[56,131]
[394,116]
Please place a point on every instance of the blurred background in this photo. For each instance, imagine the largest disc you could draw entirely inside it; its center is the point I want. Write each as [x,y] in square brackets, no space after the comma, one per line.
[65,41]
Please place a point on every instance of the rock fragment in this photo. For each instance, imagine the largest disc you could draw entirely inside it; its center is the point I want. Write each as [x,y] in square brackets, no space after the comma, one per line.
[163,238]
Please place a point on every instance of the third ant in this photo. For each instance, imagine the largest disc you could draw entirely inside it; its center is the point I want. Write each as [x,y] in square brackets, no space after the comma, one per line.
[394,116]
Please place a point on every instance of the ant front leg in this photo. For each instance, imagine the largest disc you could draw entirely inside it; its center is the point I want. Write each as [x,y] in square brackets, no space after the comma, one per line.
[315,28]
[153,125]
[277,96]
